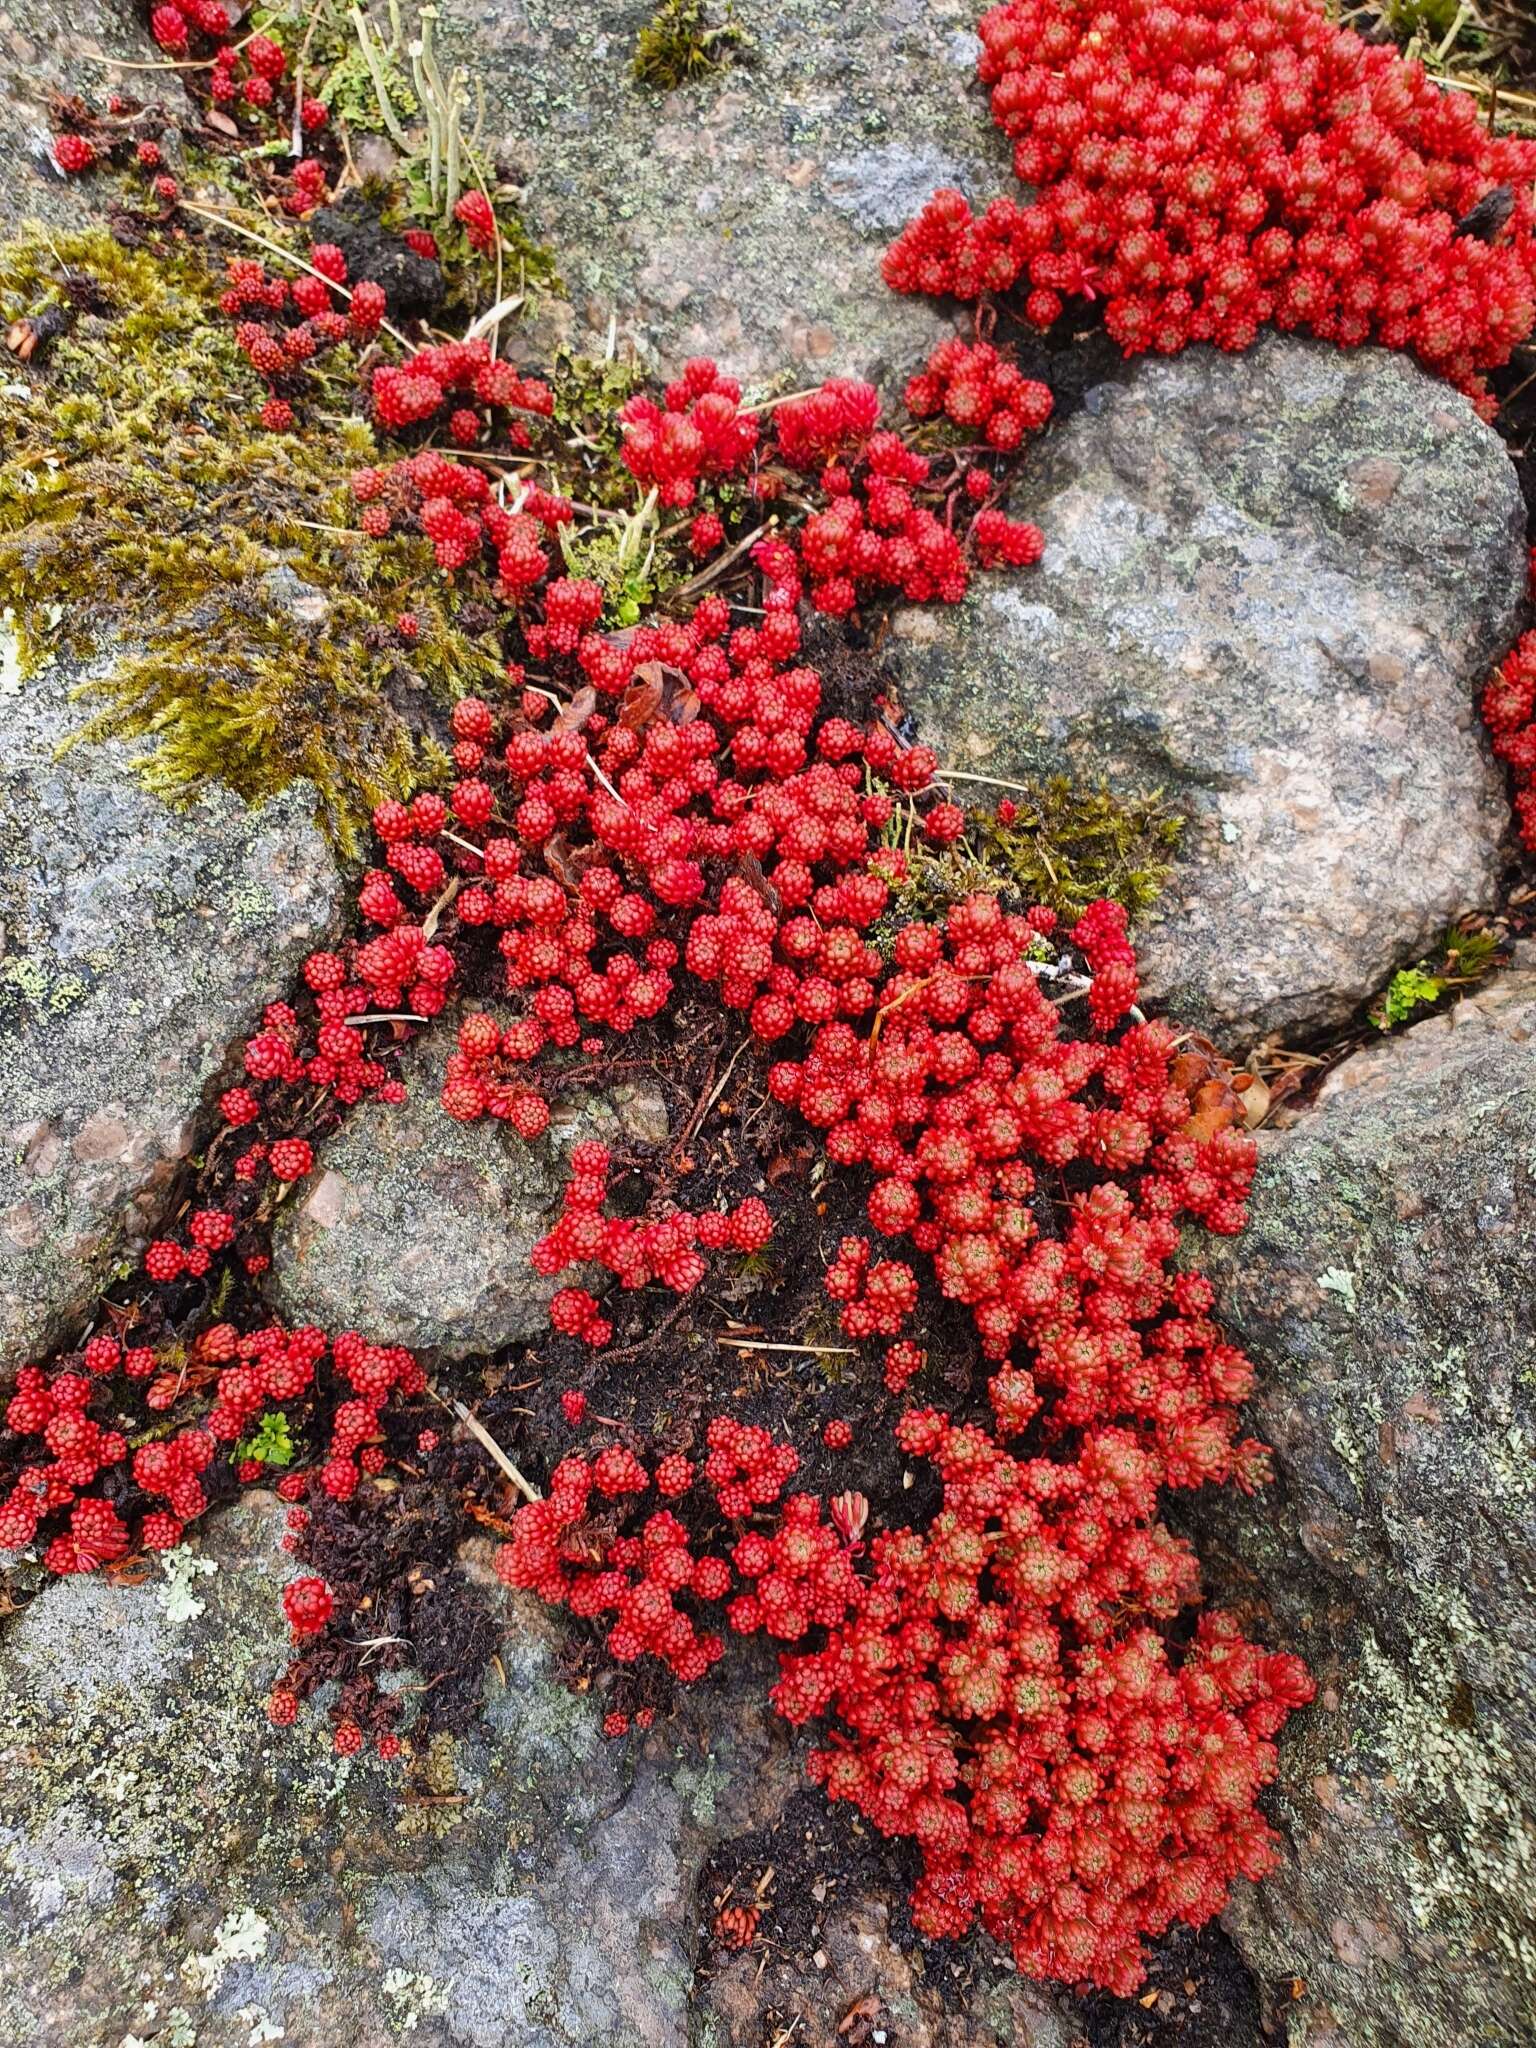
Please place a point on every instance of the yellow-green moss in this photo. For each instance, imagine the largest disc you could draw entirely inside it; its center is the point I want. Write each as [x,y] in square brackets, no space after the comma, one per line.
[1066,846]
[682,43]
[140,500]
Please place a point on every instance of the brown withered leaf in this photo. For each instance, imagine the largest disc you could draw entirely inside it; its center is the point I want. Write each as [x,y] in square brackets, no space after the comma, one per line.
[122,1319]
[750,869]
[1216,1108]
[659,690]
[681,703]
[127,1571]
[483,1515]
[167,1388]
[1283,1086]
[642,700]
[557,857]
[569,862]
[68,110]
[1201,1073]
[1254,1092]
[1195,1062]
[578,711]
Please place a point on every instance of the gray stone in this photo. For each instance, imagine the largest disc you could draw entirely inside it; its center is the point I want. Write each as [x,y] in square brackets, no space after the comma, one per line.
[174,1869]
[1273,584]
[1383,1291]
[58,46]
[743,216]
[881,188]
[417,1229]
[139,943]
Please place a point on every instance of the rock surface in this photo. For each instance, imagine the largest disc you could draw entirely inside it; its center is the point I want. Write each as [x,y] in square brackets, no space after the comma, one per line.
[57,46]
[743,216]
[1384,1293]
[173,1870]
[1273,584]
[138,944]
[417,1229]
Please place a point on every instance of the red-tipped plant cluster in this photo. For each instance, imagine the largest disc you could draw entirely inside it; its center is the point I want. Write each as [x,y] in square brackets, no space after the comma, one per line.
[283,328]
[1509,711]
[1000,1685]
[698,431]
[1005,1696]
[665,1249]
[875,1297]
[889,523]
[231,1381]
[248,87]
[462,383]
[174,22]
[592,1548]
[1204,167]
[670,805]
[980,389]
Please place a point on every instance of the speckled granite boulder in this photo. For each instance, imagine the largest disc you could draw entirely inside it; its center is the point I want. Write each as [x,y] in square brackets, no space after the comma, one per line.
[1384,1291]
[418,1229]
[172,1869]
[139,943]
[743,216]
[1272,586]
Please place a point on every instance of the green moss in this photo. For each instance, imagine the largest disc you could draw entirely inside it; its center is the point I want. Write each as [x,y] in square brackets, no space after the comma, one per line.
[1431,19]
[138,500]
[1066,846]
[589,391]
[681,44]
[527,264]
[1461,958]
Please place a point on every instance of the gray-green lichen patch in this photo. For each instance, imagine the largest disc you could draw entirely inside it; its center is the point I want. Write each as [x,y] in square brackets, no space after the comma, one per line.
[1398,1550]
[1272,587]
[137,943]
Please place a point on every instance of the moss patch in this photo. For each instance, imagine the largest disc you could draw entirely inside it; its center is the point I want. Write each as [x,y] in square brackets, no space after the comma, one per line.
[139,498]
[1066,846]
[683,42]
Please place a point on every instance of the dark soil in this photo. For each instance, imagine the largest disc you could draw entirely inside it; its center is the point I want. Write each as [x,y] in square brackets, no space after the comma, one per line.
[413,287]
[1199,1993]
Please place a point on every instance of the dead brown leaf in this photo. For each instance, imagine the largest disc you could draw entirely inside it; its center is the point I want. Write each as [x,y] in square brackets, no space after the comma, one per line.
[642,700]
[750,869]
[575,714]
